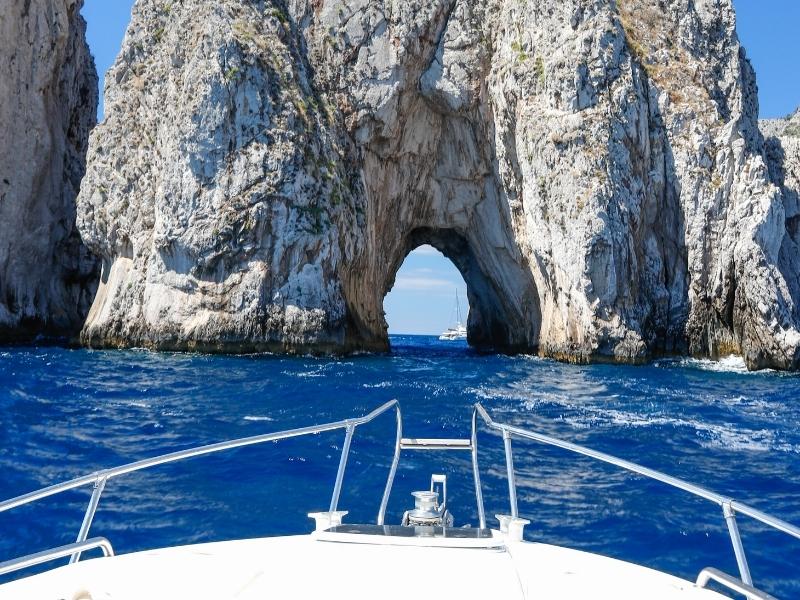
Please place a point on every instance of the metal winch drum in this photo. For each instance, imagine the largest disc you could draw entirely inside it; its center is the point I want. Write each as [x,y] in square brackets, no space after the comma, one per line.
[427,511]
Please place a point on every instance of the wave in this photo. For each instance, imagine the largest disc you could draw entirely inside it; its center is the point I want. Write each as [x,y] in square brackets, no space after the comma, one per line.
[726,364]
[586,414]
[257,418]
[136,404]
[711,435]
[382,384]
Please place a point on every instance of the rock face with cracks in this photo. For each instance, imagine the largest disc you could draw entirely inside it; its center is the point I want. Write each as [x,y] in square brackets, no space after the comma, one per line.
[782,142]
[594,168]
[48,104]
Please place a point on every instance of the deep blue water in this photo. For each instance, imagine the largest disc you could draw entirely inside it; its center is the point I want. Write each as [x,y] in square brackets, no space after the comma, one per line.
[65,413]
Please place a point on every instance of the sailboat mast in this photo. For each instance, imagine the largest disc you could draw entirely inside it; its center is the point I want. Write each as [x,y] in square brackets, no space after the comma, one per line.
[458,310]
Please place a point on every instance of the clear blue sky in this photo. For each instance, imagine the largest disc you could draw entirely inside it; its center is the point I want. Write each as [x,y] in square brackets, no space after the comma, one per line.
[423,299]
[106,22]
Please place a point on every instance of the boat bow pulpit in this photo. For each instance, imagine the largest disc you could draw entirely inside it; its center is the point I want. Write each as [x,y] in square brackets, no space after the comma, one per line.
[480,561]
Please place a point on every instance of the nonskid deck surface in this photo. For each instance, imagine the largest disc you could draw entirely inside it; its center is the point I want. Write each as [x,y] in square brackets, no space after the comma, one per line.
[314,566]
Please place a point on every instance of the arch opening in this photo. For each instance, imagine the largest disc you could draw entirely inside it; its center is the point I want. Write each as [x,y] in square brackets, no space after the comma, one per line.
[495,320]
[429,295]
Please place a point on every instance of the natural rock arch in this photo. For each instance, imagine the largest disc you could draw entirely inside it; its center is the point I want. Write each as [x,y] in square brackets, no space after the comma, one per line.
[256,183]
[495,319]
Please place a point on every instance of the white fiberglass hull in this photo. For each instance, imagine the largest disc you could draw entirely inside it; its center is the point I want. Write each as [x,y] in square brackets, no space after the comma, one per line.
[450,335]
[313,566]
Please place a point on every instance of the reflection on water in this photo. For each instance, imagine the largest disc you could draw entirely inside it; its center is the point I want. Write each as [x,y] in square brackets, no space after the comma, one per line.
[64,413]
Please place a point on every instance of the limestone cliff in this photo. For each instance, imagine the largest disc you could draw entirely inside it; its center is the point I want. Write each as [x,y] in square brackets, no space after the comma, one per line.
[48,104]
[594,168]
[782,141]
[221,193]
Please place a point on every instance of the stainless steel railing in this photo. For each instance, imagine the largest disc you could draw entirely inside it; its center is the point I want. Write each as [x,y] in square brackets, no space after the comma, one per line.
[730,507]
[55,553]
[100,478]
[707,575]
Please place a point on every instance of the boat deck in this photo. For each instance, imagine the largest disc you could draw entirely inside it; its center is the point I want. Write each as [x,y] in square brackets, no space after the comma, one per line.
[354,566]
[368,561]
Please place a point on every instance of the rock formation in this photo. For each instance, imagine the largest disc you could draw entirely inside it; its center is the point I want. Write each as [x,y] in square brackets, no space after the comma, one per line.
[48,104]
[782,144]
[594,168]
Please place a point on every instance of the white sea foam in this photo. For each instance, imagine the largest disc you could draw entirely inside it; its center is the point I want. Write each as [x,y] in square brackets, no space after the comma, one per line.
[257,418]
[322,370]
[137,404]
[382,384]
[726,364]
[710,435]
[305,374]
[589,414]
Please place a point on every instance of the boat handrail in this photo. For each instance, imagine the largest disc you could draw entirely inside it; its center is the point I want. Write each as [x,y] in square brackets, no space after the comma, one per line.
[100,478]
[735,585]
[730,507]
[39,558]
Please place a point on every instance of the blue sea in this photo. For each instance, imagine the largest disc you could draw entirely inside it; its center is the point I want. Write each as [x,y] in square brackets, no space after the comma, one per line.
[66,412]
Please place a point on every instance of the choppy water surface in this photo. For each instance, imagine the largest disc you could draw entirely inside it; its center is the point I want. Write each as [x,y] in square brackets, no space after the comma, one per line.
[65,413]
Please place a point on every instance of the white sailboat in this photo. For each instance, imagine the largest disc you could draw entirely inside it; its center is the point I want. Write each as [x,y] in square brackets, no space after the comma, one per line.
[459,332]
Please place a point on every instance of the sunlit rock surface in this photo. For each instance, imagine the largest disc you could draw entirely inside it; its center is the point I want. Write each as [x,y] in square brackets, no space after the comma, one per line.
[48,104]
[782,142]
[594,169]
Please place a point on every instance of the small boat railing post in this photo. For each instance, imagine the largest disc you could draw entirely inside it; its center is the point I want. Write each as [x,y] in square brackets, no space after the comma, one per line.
[512,483]
[393,469]
[83,534]
[740,587]
[39,558]
[476,470]
[729,506]
[337,488]
[99,479]
[736,540]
